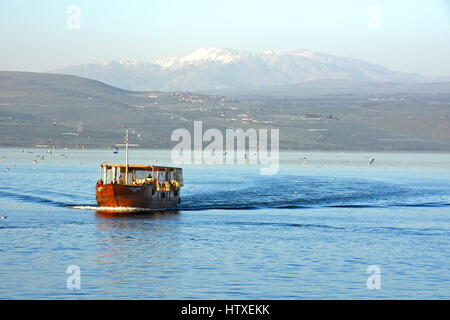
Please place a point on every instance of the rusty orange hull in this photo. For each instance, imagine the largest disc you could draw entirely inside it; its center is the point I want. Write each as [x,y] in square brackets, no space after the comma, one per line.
[119,195]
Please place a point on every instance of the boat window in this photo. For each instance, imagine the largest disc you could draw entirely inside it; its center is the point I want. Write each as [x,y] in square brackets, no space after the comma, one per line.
[179,173]
[121,179]
[162,174]
[143,174]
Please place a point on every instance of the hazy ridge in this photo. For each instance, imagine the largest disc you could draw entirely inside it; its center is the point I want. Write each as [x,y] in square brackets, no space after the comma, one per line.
[48,109]
[209,69]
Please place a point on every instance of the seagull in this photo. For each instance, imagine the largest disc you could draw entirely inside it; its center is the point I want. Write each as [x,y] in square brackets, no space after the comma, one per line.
[371,160]
[7,169]
[4,217]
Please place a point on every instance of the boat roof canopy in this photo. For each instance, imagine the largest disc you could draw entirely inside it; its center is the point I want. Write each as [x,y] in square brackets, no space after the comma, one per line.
[138,167]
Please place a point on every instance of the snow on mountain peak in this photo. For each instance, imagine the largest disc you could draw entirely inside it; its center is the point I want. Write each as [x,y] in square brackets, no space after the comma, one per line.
[297,52]
[129,63]
[225,56]
[210,68]
[306,54]
[212,54]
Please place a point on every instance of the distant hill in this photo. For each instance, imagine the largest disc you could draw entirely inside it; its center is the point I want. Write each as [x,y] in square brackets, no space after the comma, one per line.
[70,111]
[209,69]
[43,108]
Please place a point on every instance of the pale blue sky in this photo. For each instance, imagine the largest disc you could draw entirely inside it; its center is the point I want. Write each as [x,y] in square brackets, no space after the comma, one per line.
[412,36]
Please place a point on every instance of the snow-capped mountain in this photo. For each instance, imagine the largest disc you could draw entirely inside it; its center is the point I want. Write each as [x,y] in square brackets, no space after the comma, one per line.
[217,68]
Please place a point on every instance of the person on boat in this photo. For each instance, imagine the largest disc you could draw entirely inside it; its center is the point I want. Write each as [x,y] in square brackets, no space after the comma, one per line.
[175,184]
[99,182]
[149,179]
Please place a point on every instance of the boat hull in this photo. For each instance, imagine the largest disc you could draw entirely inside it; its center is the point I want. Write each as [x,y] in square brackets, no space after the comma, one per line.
[118,195]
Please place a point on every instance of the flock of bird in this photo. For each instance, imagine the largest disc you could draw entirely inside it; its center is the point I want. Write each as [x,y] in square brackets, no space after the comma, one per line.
[40,157]
[37,158]
[49,152]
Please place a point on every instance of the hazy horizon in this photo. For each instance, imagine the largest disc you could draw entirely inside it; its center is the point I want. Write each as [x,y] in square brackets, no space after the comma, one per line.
[402,36]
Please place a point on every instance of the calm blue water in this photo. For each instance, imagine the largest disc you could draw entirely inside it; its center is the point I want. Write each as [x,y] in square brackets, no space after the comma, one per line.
[309,232]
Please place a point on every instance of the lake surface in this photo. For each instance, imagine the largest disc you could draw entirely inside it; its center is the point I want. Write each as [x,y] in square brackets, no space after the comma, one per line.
[309,232]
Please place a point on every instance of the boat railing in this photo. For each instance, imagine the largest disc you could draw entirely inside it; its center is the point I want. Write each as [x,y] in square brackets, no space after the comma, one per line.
[161,178]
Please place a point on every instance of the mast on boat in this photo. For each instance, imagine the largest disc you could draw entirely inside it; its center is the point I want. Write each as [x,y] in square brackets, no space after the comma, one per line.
[126,150]
[126,154]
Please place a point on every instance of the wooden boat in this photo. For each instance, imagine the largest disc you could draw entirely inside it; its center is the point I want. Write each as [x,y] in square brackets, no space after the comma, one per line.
[138,186]
[149,187]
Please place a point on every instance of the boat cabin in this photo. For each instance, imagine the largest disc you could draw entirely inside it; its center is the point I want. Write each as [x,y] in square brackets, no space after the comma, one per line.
[162,178]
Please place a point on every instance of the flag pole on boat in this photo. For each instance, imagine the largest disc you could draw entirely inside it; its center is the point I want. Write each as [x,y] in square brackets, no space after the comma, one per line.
[126,151]
[126,154]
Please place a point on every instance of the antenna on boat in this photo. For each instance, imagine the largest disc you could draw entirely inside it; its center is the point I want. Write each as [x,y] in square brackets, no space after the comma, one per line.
[126,151]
